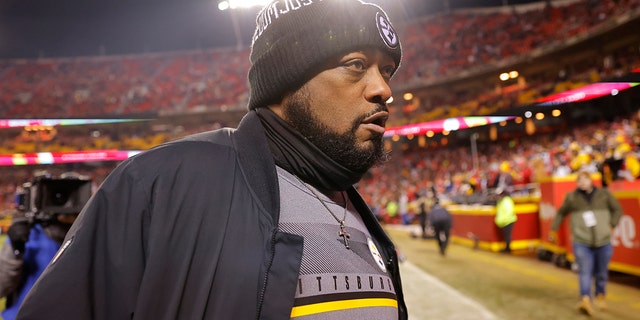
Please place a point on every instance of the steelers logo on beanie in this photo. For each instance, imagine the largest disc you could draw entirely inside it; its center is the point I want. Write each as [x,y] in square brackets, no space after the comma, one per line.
[294,37]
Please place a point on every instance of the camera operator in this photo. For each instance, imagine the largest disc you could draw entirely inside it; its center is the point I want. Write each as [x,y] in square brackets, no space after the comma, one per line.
[31,244]
[28,250]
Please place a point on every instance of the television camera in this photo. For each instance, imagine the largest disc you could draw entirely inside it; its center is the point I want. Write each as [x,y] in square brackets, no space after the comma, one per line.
[46,197]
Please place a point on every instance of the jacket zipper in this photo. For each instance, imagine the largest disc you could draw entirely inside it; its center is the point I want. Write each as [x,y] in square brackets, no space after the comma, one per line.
[266,275]
[395,276]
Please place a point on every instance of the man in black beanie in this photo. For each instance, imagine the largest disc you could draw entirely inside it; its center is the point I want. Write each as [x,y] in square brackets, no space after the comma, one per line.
[258,222]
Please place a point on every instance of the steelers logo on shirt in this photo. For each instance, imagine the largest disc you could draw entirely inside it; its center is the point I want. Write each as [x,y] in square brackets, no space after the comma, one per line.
[377,257]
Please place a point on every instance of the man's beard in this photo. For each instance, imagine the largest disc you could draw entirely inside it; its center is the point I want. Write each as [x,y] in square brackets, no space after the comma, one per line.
[342,148]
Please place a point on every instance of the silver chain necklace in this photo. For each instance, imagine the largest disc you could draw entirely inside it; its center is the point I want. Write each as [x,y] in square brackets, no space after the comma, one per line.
[343,229]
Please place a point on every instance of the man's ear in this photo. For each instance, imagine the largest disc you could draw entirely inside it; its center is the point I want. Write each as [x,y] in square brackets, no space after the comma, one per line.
[278,107]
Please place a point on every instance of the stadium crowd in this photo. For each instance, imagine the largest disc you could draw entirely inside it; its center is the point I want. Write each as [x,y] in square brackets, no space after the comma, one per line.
[436,47]
[448,169]
[609,148]
[444,45]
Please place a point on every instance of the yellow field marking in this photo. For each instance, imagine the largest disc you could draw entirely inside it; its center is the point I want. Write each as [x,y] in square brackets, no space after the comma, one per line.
[625,268]
[484,210]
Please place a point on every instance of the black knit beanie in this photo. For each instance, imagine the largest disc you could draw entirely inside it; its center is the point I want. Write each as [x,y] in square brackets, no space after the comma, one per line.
[294,37]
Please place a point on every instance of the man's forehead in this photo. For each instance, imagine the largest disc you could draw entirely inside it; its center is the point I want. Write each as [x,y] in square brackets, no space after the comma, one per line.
[372,53]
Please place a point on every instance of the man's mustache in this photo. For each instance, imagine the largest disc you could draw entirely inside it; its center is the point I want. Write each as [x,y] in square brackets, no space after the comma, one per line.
[379,107]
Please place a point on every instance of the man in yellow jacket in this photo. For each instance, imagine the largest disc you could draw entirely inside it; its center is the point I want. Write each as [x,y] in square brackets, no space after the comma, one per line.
[505,216]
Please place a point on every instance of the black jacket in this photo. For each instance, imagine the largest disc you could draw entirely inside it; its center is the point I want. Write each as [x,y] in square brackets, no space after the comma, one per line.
[439,214]
[187,230]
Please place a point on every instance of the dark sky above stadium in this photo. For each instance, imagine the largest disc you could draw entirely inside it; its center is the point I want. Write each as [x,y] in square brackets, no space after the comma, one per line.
[67,28]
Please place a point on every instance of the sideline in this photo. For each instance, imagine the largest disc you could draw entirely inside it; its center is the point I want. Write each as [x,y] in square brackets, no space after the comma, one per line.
[429,298]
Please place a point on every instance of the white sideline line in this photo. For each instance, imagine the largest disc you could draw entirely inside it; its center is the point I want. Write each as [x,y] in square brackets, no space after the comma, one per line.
[426,297]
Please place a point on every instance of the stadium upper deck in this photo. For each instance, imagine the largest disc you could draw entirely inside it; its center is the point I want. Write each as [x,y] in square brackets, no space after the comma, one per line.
[438,49]
[214,80]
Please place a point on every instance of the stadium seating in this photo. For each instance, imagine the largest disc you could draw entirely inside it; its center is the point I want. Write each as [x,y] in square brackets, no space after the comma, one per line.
[435,48]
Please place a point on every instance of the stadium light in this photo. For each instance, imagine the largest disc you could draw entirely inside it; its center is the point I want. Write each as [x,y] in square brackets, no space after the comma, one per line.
[236,4]
[509,75]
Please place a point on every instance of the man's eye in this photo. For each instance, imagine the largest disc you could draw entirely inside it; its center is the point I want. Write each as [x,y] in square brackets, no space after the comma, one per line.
[356,65]
[387,71]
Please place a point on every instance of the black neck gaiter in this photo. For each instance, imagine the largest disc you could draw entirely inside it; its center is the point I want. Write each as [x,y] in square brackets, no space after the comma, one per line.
[294,153]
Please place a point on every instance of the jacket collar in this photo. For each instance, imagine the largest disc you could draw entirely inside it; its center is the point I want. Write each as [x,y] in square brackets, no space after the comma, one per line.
[256,162]
[258,167]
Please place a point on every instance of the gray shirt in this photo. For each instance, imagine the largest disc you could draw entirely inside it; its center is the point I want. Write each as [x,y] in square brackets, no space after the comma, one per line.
[334,282]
